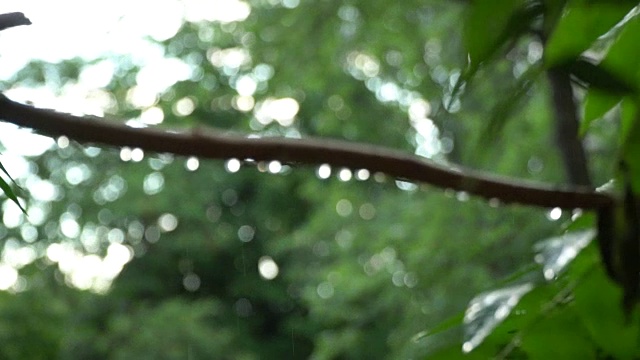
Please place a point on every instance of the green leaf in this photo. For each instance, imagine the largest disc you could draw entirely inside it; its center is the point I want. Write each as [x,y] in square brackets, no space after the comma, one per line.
[629,113]
[598,303]
[448,324]
[623,57]
[10,194]
[528,310]
[584,221]
[7,188]
[455,353]
[630,141]
[508,105]
[581,24]
[489,25]
[559,335]
[492,25]
[488,310]
[597,103]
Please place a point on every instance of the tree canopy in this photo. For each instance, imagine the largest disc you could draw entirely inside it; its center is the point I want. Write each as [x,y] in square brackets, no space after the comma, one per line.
[332,180]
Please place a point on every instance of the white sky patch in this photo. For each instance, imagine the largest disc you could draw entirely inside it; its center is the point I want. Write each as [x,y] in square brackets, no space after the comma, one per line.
[68,28]
[18,256]
[282,111]
[152,116]
[427,134]
[8,277]
[15,164]
[231,58]
[42,190]
[224,11]
[246,85]
[89,271]
[21,143]
[163,73]
[12,216]
[97,75]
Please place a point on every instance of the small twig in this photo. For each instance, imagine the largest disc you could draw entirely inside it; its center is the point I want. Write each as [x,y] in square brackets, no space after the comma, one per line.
[13,19]
[213,145]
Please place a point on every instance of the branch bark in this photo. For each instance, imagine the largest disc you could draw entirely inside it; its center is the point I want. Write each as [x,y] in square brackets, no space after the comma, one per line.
[13,19]
[213,145]
[567,140]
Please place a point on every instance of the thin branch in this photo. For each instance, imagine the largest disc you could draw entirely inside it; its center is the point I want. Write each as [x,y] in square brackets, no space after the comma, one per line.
[13,19]
[567,139]
[209,144]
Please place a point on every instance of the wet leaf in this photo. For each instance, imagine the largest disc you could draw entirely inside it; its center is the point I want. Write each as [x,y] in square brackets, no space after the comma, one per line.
[556,253]
[489,309]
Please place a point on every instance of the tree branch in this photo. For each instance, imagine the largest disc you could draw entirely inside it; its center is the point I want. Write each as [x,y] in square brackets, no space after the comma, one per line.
[13,19]
[573,155]
[212,145]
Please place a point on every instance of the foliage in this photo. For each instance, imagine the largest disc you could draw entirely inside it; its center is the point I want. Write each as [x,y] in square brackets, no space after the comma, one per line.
[562,320]
[368,265]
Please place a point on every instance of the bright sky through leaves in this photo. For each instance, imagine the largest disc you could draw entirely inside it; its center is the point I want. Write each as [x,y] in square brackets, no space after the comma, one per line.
[69,29]
[124,30]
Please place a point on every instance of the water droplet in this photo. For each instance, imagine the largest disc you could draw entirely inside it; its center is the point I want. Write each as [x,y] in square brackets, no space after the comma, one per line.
[324,171]
[192,163]
[554,214]
[362,174]
[233,165]
[494,203]
[462,196]
[345,175]
[274,167]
